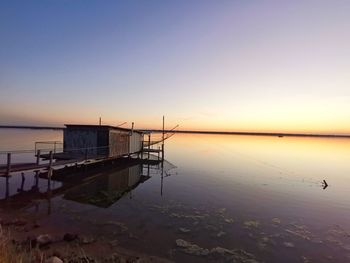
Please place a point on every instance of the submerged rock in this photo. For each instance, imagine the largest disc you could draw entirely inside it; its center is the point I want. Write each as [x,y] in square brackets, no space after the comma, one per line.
[184,230]
[45,239]
[232,255]
[183,216]
[220,234]
[252,223]
[222,210]
[221,251]
[182,243]
[191,249]
[276,221]
[229,220]
[288,244]
[300,231]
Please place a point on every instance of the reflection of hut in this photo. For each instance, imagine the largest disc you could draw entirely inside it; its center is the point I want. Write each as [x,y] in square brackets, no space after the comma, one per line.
[106,189]
[101,140]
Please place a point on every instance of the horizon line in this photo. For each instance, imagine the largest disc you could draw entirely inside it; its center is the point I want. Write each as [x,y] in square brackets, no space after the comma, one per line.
[278,134]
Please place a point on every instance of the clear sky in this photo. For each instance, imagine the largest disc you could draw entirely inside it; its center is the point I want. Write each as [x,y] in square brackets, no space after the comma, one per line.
[210,65]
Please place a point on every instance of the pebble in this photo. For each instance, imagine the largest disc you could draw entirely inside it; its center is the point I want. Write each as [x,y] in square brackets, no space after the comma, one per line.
[54,260]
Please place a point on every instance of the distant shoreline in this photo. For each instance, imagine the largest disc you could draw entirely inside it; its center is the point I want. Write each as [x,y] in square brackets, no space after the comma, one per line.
[275,134]
[30,127]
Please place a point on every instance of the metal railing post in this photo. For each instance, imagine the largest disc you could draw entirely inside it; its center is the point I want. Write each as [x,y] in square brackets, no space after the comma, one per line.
[38,157]
[8,168]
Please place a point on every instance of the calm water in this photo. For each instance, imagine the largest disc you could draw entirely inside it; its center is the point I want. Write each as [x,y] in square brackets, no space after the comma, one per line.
[259,194]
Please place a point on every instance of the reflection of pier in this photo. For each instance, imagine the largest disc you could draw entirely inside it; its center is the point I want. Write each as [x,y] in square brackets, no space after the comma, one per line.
[106,189]
[96,184]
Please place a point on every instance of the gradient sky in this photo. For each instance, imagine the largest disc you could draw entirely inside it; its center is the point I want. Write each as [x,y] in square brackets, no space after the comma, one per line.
[211,65]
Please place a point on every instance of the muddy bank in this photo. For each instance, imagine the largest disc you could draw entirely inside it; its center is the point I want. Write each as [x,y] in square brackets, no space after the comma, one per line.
[19,244]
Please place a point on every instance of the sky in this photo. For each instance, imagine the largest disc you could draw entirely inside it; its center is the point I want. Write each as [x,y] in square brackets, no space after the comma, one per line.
[269,66]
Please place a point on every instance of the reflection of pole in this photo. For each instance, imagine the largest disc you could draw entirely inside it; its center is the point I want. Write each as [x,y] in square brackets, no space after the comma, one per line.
[7,193]
[49,173]
[49,185]
[36,179]
[49,202]
[161,180]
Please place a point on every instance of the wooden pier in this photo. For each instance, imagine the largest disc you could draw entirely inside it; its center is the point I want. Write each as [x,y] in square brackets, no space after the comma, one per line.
[88,144]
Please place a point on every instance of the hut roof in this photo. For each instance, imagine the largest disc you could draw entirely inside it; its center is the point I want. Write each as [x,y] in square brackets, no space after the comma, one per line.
[99,127]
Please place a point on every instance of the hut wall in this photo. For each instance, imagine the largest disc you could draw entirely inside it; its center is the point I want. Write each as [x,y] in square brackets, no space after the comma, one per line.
[118,143]
[76,140]
[135,144]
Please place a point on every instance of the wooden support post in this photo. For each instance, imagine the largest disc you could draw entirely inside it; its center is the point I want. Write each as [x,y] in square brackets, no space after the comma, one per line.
[149,144]
[161,181]
[7,193]
[38,157]
[8,168]
[36,179]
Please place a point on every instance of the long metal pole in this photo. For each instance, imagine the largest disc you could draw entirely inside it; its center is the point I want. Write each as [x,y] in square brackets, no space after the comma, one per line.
[149,144]
[163,140]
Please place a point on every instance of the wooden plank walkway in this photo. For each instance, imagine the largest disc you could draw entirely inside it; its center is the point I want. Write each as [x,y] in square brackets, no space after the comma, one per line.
[21,167]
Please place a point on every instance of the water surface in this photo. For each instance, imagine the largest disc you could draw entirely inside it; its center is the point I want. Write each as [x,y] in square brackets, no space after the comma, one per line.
[263,195]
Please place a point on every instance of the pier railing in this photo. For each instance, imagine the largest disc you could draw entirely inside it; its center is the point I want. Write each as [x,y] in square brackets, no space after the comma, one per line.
[48,146]
[39,157]
[153,138]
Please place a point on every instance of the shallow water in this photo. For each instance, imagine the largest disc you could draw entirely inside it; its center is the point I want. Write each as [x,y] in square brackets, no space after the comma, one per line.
[263,195]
